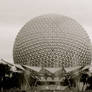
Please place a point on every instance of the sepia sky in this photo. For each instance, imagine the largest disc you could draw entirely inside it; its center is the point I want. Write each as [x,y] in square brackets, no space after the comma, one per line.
[15,13]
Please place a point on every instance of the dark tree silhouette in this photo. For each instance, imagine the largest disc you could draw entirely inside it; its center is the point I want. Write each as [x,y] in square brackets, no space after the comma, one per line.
[8,82]
[4,70]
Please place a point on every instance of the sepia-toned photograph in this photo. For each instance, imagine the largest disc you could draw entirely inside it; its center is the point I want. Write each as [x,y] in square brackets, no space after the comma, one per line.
[45,45]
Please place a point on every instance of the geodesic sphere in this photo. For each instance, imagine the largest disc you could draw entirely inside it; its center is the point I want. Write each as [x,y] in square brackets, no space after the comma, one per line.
[52,41]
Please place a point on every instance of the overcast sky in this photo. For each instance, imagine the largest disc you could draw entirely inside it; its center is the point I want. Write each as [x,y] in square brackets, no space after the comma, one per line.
[15,13]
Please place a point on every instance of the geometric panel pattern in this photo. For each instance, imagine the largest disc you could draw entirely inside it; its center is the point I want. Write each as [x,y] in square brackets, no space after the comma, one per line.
[52,41]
